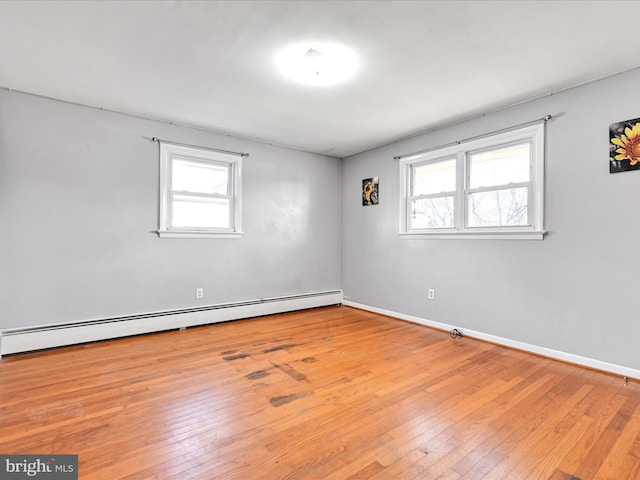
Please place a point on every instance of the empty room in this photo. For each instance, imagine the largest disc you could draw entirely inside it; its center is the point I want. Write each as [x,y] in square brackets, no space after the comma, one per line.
[320,240]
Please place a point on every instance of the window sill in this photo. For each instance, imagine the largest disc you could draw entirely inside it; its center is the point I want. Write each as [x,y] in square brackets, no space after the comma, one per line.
[197,234]
[469,235]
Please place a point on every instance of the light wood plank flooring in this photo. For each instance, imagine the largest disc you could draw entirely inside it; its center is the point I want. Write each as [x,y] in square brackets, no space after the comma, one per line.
[330,393]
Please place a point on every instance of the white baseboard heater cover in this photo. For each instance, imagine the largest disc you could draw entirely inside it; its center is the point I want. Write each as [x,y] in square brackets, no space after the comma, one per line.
[16,340]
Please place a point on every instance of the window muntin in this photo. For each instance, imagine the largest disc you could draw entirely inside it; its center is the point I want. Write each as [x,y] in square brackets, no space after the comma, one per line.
[484,187]
[200,192]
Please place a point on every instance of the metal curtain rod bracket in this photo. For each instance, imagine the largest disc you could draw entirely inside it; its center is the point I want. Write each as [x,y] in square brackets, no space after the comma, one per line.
[217,150]
[546,118]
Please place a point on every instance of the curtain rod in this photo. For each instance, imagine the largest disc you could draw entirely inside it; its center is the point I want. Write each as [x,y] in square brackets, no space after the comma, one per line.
[545,119]
[157,140]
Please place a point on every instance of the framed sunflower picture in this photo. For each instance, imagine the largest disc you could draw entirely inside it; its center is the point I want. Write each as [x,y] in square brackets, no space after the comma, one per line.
[624,146]
[370,191]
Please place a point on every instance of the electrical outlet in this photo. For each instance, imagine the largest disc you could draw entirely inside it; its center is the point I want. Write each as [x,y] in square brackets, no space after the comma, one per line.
[431,294]
[199,292]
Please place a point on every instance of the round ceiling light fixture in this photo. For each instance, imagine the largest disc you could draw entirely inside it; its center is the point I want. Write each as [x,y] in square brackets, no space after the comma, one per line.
[319,64]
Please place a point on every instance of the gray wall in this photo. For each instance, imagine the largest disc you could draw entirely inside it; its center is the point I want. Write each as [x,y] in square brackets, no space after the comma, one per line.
[79,204]
[78,207]
[575,291]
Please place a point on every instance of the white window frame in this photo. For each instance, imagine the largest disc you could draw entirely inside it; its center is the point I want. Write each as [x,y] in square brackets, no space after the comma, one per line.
[169,152]
[533,134]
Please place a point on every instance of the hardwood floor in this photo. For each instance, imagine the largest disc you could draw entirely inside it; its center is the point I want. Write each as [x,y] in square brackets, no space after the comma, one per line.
[330,393]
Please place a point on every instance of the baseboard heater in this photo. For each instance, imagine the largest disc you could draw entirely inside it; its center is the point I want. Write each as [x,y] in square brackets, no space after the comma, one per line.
[24,339]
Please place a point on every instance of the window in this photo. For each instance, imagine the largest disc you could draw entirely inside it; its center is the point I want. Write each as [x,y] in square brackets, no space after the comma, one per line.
[199,192]
[433,190]
[491,187]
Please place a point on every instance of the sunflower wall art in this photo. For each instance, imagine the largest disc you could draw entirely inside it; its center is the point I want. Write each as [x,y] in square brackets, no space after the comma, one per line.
[624,147]
[370,191]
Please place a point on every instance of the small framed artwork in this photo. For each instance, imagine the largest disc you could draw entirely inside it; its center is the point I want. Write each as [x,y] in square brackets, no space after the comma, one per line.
[624,146]
[370,191]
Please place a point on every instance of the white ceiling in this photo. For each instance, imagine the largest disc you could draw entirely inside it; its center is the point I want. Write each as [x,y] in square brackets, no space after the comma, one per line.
[210,64]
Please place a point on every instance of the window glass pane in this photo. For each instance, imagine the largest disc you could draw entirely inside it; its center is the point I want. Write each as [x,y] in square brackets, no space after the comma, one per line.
[434,177]
[500,166]
[432,212]
[198,212]
[498,208]
[199,177]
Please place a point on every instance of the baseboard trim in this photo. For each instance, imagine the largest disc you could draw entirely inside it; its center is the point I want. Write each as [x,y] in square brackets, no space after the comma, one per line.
[507,342]
[25,339]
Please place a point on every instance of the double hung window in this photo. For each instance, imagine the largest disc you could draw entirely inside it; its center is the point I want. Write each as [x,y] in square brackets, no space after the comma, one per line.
[199,192]
[491,187]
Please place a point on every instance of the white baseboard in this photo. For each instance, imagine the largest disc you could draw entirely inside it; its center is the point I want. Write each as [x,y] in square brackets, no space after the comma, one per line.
[542,351]
[16,340]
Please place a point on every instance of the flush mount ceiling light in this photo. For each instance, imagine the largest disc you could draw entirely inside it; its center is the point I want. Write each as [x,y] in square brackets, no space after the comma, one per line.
[319,64]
